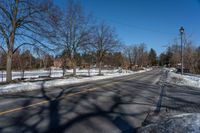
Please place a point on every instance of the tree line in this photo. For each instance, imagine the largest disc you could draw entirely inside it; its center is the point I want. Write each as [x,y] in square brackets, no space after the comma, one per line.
[191,56]
[33,34]
[26,60]
[71,34]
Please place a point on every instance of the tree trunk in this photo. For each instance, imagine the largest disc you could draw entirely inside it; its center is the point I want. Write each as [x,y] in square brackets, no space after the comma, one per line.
[9,66]
[74,65]
[40,63]
[100,63]
[89,71]
[64,66]
[64,70]
[22,74]
[74,69]
[30,61]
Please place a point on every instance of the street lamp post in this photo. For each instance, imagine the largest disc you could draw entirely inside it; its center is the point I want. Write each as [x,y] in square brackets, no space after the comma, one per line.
[181,32]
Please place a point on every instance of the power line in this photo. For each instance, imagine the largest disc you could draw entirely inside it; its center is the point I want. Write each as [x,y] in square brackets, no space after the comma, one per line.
[137,27]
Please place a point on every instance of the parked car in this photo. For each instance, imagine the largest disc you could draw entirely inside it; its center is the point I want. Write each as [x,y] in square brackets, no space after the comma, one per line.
[185,70]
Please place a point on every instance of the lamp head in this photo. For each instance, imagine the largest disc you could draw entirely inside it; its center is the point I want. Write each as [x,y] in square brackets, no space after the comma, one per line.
[181,30]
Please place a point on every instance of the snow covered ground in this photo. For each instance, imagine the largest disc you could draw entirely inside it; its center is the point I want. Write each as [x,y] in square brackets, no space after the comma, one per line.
[28,86]
[187,80]
[54,73]
[171,123]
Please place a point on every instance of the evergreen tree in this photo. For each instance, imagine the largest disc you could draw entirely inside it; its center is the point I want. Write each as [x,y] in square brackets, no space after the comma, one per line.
[152,57]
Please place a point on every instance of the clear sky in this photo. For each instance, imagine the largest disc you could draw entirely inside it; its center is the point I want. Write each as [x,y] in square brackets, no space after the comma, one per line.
[153,22]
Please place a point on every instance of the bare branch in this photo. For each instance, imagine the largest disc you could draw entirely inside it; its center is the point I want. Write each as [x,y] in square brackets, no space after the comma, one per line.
[6,12]
[4,34]
[23,44]
[3,49]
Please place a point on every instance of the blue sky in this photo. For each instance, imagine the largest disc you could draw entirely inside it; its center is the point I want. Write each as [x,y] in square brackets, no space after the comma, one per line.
[153,22]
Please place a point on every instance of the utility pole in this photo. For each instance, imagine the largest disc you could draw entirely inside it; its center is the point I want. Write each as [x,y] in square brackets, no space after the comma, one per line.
[181,32]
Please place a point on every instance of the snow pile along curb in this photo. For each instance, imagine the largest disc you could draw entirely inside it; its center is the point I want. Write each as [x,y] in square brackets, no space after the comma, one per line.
[29,86]
[183,79]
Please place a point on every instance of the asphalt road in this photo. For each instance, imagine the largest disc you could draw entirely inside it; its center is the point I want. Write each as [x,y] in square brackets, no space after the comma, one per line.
[105,106]
[180,99]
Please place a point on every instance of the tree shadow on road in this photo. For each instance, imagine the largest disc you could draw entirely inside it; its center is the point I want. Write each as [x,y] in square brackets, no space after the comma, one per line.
[181,99]
[62,113]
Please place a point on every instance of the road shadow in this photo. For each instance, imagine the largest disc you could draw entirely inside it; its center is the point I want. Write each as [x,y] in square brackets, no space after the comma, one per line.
[64,113]
[181,99]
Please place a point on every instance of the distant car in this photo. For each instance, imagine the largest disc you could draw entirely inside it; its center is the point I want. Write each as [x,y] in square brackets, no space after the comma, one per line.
[185,70]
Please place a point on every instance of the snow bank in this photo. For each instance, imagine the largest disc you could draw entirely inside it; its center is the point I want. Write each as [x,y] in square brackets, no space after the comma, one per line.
[56,73]
[183,123]
[28,86]
[183,79]
[171,69]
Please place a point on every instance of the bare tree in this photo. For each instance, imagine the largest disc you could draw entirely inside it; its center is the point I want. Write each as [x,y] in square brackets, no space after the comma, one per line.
[127,54]
[141,51]
[191,56]
[137,55]
[1,59]
[105,40]
[71,32]
[197,60]
[21,23]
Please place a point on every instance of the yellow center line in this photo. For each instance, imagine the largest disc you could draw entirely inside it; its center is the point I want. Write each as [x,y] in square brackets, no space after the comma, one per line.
[66,95]
[20,108]
[46,101]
